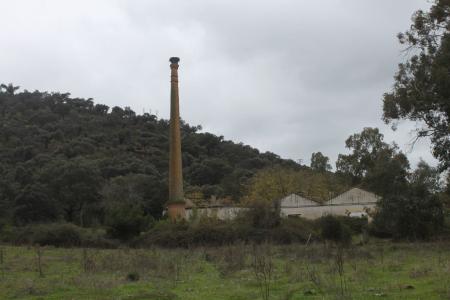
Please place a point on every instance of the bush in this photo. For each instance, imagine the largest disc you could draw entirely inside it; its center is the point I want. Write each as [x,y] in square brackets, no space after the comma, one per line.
[166,234]
[58,235]
[133,276]
[126,221]
[333,229]
[294,230]
[214,232]
[408,217]
[262,215]
[356,225]
[207,231]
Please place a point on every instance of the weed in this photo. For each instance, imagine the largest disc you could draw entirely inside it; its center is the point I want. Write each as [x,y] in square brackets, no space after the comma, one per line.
[39,261]
[262,265]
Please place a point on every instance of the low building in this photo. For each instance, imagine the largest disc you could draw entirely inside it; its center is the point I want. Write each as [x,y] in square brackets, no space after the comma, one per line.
[219,212]
[214,208]
[354,203]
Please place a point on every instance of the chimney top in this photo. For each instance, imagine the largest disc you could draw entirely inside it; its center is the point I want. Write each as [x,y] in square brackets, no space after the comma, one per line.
[174,60]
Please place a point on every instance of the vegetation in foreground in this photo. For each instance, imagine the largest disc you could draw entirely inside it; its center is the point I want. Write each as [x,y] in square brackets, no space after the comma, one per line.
[239,271]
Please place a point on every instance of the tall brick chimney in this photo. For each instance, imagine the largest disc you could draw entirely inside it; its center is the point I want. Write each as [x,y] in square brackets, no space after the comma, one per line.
[176,203]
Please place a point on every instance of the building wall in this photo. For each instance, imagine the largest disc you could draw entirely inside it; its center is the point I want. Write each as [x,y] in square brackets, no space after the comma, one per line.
[314,212]
[308,212]
[355,202]
[222,213]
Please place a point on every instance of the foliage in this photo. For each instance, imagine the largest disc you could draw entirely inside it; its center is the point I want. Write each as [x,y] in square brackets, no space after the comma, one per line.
[214,232]
[262,214]
[410,205]
[56,234]
[275,183]
[129,203]
[69,158]
[333,229]
[320,162]
[33,205]
[356,225]
[74,183]
[408,216]
[416,210]
[427,178]
[376,165]
[365,148]
[125,221]
[422,84]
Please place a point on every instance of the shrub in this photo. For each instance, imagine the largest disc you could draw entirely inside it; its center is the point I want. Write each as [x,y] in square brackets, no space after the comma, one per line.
[57,234]
[333,229]
[126,221]
[166,234]
[293,230]
[408,216]
[133,276]
[262,214]
[60,235]
[214,232]
[356,225]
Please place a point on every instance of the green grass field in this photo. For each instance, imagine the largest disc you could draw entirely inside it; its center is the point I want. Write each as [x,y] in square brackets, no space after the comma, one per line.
[378,270]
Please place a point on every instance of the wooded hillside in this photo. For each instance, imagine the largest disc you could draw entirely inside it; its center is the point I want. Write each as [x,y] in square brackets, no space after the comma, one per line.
[68,155]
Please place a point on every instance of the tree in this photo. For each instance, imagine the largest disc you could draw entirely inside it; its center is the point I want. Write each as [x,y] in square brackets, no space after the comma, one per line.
[130,203]
[427,178]
[421,91]
[33,205]
[409,214]
[74,184]
[10,89]
[264,193]
[126,220]
[210,171]
[413,209]
[320,162]
[374,164]
[333,229]
[365,147]
[73,147]
[137,190]
[388,174]
[272,184]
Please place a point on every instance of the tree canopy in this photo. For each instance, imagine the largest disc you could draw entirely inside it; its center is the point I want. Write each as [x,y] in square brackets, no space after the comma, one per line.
[77,157]
[421,89]
[320,162]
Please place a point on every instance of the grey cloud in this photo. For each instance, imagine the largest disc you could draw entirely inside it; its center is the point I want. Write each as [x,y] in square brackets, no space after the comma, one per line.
[292,77]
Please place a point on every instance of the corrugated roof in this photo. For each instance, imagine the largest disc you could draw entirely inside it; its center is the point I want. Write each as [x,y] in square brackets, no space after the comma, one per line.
[294,200]
[354,196]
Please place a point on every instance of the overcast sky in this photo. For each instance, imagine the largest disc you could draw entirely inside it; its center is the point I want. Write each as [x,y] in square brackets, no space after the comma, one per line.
[288,76]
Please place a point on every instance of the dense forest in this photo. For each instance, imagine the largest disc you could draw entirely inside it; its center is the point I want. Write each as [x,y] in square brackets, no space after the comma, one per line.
[69,157]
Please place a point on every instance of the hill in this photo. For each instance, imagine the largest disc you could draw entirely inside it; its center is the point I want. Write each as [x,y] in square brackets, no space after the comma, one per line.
[64,155]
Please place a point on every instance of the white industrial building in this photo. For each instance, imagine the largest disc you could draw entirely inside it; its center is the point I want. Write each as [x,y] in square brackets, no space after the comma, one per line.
[354,203]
